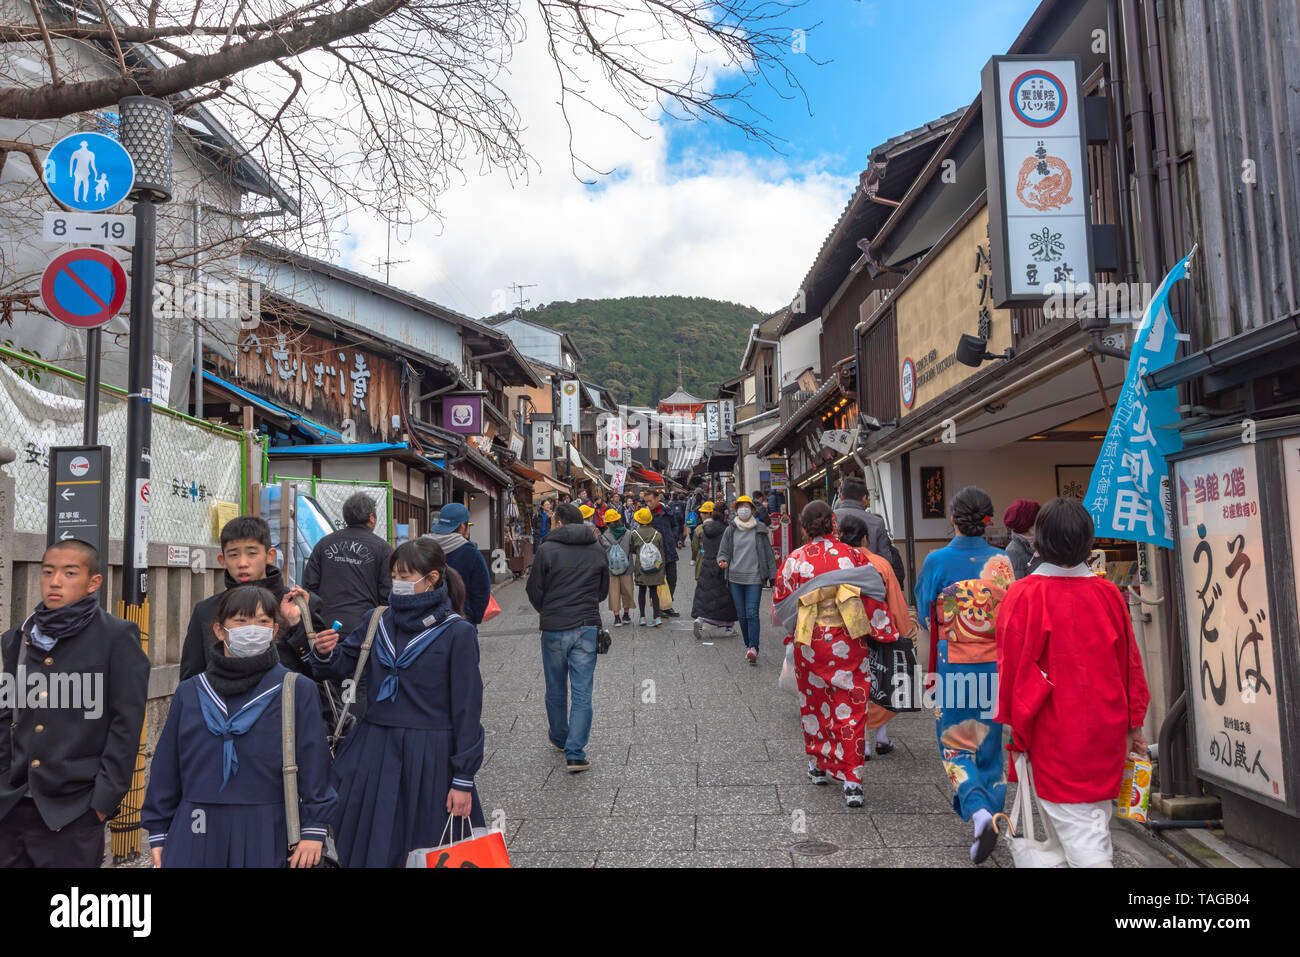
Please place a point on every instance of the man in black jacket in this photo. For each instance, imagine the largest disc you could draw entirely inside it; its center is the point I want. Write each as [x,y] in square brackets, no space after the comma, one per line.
[348,569]
[570,578]
[666,525]
[249,559]
[72,698]
[853,501]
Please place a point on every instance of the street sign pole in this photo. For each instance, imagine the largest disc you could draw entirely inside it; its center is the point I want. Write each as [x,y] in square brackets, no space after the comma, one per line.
[146,133]
[139,403]
[90,425]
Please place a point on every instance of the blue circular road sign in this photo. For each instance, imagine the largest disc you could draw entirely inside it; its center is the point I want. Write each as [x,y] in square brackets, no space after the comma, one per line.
[89,172]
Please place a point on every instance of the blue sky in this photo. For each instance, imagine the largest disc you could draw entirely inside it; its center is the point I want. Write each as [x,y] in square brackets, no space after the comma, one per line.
[695,208]
[892,67]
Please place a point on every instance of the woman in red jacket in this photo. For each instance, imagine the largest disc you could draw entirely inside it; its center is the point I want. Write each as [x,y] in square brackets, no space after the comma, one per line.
[1070,683]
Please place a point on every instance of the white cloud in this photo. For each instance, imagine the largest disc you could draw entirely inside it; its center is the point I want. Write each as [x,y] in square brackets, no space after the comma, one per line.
[722,224]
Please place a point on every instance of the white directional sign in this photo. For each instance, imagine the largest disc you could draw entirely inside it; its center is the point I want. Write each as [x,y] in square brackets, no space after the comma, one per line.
[89,229]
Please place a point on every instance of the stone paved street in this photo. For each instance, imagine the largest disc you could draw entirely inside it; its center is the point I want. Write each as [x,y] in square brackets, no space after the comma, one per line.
[697,761]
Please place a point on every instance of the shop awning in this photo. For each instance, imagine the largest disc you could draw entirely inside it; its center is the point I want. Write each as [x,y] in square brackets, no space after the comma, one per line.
[397,449]
[801,415]
[645,475]
[1230,362]
[543,484]
[292,418]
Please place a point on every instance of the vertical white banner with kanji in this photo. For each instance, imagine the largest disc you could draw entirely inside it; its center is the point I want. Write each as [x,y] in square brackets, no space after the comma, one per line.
[1233,692]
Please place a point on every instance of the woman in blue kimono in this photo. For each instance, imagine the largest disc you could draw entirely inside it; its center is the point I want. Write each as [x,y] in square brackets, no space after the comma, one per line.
[410,762]
[957,596]
[216,791]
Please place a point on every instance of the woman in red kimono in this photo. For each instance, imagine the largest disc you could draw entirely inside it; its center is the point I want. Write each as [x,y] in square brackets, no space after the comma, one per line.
[1070,683]
[830,598]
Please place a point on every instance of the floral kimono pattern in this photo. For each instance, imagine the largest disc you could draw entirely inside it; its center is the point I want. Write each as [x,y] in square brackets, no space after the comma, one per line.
[830,599]
[970,742]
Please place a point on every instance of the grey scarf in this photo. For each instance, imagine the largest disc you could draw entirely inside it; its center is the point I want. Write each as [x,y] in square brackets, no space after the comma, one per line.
[450,542]
[864,576]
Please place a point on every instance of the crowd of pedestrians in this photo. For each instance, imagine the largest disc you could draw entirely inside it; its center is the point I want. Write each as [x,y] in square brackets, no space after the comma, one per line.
[365,678]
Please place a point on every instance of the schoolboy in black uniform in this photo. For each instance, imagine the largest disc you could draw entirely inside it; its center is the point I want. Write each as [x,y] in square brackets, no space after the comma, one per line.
[249,559]
[72,699]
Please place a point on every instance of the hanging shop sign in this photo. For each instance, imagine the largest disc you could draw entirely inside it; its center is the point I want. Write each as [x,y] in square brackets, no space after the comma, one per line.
[728,409]
[329,381]
[569,404]
[463,414]
[713,421]
[541,440]
[1035,149]
[1232,663]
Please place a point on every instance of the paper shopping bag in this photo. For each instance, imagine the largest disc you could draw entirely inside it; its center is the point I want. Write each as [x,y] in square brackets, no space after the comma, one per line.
[493,609]
[481,848]
[665,598]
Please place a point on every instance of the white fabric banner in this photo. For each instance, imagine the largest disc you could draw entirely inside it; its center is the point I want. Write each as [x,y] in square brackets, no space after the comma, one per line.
[191,467]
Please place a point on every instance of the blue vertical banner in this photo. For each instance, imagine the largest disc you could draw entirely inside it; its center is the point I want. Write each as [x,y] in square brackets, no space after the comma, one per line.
[1129,496]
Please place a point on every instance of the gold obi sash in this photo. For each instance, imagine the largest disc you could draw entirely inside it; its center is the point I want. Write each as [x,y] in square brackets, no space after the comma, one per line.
[832,606]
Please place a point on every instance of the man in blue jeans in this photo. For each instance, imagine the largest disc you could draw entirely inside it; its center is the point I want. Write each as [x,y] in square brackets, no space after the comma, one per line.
[569,580]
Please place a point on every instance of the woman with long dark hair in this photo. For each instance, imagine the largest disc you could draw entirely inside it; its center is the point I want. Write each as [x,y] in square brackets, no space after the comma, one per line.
[958,594]
[831,599]
[411,761]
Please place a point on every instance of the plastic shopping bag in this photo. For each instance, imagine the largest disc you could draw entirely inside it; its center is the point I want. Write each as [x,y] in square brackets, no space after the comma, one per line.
[492,610]
[477,847]
[786,681]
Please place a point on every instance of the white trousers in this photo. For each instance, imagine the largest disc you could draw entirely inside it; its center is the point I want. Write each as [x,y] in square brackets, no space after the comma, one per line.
[1083,830]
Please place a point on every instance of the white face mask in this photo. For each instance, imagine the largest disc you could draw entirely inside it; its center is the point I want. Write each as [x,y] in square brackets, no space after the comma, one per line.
[405,588]
[247,641]
[744,513]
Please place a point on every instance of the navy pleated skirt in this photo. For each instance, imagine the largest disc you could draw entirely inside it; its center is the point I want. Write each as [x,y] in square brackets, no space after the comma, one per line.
[227,835]
[392,785]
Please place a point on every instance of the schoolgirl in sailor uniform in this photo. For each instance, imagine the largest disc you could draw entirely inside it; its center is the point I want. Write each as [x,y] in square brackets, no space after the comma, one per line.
[411,760]
[216,791]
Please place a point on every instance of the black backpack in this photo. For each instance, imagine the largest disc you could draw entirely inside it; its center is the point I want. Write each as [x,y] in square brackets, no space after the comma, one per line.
[896,560]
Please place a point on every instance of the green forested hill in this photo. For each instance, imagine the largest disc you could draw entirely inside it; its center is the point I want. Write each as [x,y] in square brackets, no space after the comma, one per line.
[630,345]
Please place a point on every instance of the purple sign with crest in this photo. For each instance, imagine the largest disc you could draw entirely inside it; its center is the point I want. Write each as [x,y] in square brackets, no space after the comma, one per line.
[463,414]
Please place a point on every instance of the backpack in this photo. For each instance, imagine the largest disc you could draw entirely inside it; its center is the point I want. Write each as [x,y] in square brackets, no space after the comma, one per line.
[649,557]
[618,563]
[896,560]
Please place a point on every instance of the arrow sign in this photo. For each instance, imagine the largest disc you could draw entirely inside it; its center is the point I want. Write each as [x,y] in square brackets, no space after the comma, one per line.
[89,172]
[65,536]
[66,494]
[84,288]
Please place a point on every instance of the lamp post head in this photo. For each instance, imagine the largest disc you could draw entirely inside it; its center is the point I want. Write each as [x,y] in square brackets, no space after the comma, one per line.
[146,134]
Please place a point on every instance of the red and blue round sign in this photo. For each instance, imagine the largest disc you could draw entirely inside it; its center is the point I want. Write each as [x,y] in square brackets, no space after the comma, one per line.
[907,382]
[83,287]
[1038,98]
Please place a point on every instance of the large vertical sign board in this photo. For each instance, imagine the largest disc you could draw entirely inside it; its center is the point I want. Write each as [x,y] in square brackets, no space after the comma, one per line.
[1035,152]
[1231,655]
[569,404]
[541,440]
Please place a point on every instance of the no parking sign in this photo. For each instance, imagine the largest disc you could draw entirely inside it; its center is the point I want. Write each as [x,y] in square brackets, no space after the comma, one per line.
[84,288]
